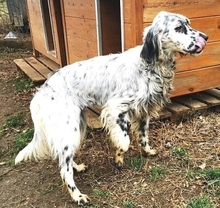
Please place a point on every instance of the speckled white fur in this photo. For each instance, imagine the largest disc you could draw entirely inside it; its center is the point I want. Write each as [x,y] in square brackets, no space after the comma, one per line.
[130,87]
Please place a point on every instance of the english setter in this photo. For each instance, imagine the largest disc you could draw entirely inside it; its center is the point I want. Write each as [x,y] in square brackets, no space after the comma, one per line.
[131,87]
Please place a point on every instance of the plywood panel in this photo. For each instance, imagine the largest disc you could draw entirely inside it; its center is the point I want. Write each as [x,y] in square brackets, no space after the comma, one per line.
[189,8]
[196,80]
[82,9]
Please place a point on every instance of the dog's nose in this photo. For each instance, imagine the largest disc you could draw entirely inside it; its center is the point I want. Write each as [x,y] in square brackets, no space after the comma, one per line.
[203,36]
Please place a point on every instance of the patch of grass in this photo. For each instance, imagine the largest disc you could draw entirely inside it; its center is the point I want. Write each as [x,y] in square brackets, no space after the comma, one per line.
[156,173]
[127,203]
[21,141]
[12,122]
[136,163]
[22,84]
[101,193]
[179,152]
[15,121]
[200,202]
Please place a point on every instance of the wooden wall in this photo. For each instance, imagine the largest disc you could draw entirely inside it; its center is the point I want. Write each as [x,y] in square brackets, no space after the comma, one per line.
[193,74]
[79,29]
[38,35]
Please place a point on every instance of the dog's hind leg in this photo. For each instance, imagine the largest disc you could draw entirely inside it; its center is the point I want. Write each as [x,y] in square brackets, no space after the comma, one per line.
[68,149]
[115,118]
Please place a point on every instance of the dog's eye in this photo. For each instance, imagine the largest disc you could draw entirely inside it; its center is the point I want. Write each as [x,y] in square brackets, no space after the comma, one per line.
[179,28]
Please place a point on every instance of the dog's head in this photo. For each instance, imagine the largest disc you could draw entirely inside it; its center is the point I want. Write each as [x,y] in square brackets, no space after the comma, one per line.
[171,33]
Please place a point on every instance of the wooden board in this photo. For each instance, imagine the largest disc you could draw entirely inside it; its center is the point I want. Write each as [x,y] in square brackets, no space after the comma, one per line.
[29,71]
[189,102]
[191,9]
[208,99]
[43,70]
[49,63]
[196,80]
[214,92]
[177,108]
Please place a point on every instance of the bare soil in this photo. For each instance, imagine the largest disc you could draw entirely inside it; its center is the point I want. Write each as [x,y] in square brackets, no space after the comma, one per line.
[184,148]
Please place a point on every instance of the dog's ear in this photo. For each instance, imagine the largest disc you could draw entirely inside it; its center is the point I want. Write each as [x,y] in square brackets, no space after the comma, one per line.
[151,46]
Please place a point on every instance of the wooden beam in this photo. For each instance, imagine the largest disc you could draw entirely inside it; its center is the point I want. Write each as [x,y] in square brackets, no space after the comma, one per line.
[136,8]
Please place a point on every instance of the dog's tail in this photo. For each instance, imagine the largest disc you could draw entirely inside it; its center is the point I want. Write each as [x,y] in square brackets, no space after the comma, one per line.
[34,150]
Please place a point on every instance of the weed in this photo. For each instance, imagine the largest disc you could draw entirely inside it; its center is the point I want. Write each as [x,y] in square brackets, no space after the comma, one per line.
[101,193]
[15,121]
[22,84]
[211,174]
[136,163]
[127,203]
[200,202]
[21,141]
[180,152]
[156,173]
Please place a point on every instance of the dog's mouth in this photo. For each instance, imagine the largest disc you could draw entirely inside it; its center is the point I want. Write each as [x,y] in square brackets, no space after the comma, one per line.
[199,46]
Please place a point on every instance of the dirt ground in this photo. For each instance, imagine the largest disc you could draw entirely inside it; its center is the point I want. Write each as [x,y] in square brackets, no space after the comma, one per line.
[172,178]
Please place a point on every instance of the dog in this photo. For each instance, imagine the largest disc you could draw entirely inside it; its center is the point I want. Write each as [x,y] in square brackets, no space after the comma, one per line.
[131,87]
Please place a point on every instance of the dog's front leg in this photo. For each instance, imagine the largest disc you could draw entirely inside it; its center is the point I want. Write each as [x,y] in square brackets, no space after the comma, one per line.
[116,120]
[143,128]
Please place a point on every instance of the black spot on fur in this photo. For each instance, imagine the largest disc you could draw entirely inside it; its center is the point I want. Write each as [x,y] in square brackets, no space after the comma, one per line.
[52,98]
[66,148]
[124,125]
[67,160]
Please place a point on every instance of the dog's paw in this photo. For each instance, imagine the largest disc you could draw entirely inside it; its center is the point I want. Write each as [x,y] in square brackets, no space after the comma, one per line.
[150,151]
[81,168]
[118,165]
[81,199]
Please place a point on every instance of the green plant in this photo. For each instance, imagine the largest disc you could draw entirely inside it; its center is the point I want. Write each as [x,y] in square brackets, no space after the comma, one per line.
[15,121]
[21,141]
[22,84]
[200,202]
[101,193]
[136,163]
[156,173]
[180,152]
[127,203]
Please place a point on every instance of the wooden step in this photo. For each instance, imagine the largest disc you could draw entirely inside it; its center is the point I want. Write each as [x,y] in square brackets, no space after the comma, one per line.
[23,66]
[38,70]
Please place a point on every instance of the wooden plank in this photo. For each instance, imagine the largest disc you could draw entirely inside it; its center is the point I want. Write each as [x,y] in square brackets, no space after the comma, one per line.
[29,71]
[177,108]
[80,48]
[164,113]
[205,98]
[209,25]
[189,102]
[136,21]
[43,70]
[81,9]
[214,92]
[81,28]
[185,7]
[49,63]
[209,57]
[196,80]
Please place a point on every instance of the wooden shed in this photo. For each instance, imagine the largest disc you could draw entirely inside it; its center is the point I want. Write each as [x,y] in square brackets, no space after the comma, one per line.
[66,31]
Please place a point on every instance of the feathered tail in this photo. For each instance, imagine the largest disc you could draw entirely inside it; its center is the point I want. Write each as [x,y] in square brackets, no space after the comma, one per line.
[36,149]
